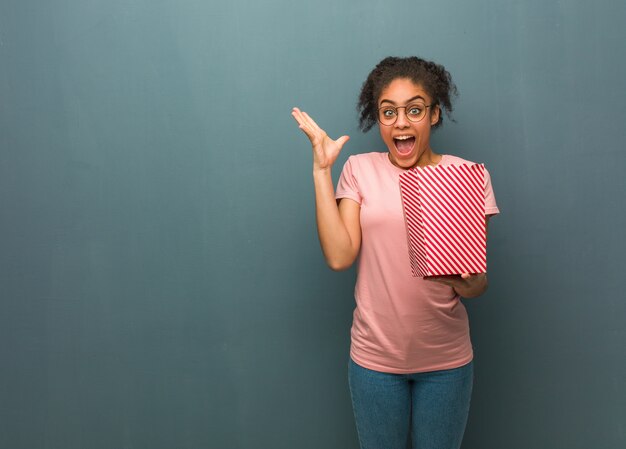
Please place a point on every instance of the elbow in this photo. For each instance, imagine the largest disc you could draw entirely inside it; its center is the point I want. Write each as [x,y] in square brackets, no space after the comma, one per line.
[339,260]
[339,264]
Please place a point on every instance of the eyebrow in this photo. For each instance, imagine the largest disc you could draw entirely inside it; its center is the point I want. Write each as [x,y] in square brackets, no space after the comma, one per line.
[408,101]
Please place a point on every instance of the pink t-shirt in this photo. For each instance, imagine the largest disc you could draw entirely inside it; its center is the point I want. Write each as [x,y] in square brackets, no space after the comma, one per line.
[402,324]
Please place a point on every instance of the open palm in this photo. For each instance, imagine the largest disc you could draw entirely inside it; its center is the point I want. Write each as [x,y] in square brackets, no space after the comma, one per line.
[325,149]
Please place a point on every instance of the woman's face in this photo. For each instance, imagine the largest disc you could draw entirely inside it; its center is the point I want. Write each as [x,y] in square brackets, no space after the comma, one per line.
[408,141]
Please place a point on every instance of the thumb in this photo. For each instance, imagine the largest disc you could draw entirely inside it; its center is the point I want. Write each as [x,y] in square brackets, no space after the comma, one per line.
[342,141]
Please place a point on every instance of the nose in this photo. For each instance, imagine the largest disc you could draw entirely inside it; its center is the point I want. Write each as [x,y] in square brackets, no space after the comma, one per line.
[401,120]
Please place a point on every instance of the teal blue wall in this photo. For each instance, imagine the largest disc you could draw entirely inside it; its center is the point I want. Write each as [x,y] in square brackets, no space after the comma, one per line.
[161,283]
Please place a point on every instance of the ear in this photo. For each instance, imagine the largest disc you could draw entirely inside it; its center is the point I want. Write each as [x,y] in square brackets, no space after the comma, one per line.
[434,115]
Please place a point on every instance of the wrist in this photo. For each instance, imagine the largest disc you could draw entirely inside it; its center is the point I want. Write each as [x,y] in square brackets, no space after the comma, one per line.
[321,172]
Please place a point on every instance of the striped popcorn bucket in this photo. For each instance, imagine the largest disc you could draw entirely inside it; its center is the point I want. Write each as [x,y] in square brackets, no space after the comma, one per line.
[444,210]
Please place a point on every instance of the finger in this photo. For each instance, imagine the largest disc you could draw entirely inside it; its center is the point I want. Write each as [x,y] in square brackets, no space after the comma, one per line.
[297,115]
[466,276]
[307,124]
[311,122]
[303,123]
[342,141]
[301,116]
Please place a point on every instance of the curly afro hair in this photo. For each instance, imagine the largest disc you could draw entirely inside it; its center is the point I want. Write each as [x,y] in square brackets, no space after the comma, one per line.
[433,78]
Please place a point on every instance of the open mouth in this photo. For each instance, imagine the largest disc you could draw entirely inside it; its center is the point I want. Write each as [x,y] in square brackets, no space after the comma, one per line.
[404,144]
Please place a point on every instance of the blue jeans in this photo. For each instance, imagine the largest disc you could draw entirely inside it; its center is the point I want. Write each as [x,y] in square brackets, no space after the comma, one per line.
[431,407]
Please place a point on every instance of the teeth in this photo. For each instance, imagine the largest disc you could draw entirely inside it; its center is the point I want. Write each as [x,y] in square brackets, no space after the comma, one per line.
[402,137]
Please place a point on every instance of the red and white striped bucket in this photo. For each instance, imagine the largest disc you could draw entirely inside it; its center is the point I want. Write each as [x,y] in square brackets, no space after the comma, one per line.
[444,209]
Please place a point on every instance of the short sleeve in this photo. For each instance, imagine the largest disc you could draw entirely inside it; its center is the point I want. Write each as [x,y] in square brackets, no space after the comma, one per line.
[348,186]
[491,208]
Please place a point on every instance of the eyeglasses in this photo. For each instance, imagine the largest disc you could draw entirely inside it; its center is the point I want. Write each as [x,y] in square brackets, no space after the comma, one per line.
[387,115]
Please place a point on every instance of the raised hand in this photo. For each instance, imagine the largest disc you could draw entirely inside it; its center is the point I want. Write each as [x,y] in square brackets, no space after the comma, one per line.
[325,149]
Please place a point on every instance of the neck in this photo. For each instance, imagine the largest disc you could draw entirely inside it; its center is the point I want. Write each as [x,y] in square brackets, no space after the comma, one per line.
[428,157]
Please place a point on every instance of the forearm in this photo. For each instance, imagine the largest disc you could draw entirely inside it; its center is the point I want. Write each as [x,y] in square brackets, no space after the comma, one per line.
[337,246]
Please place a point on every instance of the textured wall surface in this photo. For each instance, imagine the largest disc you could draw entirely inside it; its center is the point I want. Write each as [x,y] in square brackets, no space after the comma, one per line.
[161,283]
